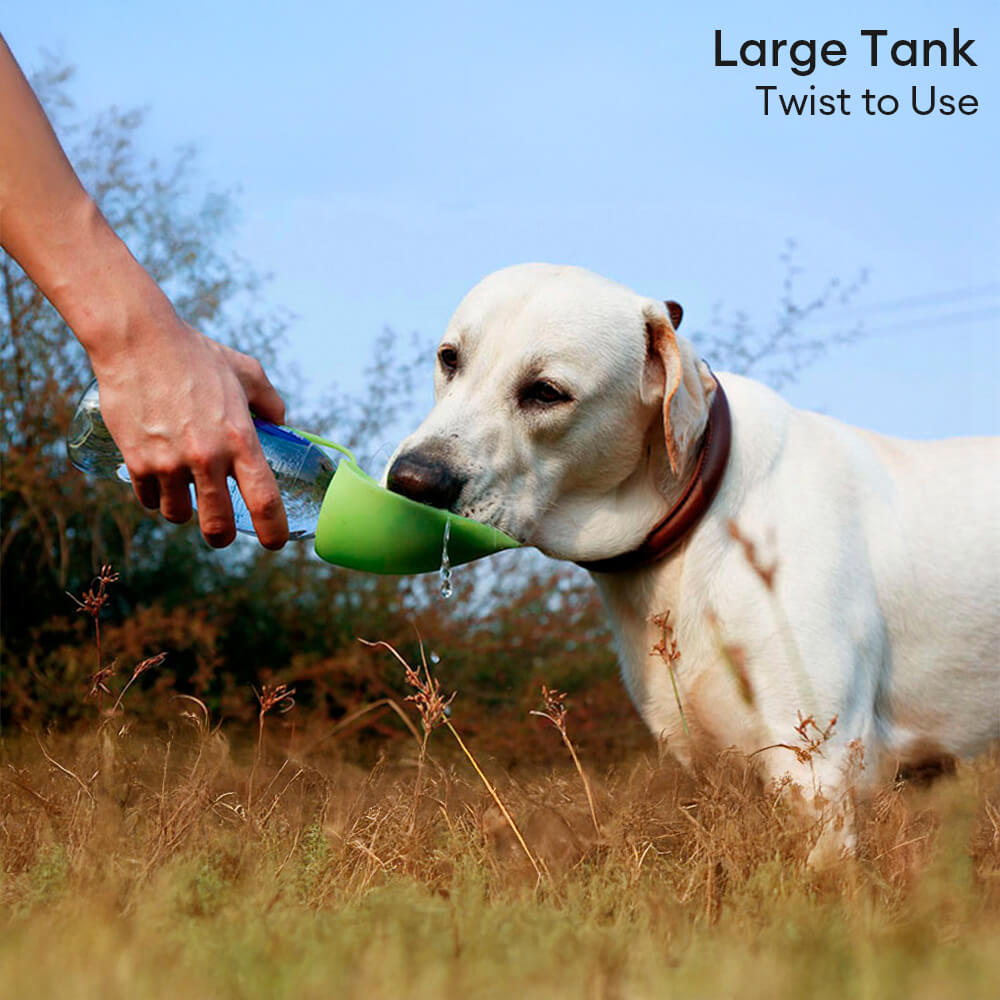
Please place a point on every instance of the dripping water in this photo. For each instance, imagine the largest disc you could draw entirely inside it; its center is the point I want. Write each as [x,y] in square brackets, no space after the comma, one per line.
[445,572]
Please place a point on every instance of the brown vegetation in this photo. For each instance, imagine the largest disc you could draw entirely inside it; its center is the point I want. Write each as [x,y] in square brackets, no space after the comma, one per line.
[194,821]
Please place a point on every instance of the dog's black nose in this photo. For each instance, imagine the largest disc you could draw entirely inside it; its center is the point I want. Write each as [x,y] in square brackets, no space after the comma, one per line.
[425,479]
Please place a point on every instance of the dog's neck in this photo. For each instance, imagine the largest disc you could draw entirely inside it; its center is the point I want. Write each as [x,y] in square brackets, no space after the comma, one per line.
[695,489]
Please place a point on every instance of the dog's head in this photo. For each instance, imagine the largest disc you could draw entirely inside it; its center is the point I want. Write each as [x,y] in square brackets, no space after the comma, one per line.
[566,410]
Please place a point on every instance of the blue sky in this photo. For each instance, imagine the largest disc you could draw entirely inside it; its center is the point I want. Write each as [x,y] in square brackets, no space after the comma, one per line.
[390,155]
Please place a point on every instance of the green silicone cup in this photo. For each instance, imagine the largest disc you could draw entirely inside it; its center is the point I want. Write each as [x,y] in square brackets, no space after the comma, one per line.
[364,526]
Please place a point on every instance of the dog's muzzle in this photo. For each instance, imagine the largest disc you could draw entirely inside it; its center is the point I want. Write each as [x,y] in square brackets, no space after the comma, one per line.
[426,479]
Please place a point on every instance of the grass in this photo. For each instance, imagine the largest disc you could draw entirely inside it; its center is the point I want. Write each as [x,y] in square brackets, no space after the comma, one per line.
[203,860]
[137,865]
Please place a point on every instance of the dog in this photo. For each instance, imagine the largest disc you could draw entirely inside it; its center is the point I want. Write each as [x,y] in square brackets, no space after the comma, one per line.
[831,592]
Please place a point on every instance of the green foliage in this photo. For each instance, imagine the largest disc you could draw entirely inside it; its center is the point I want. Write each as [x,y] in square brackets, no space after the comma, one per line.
[200,888]
[314,857]
[47,877]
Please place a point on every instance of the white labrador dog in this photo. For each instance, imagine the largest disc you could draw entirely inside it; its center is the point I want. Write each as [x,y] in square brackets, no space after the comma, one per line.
[570,414]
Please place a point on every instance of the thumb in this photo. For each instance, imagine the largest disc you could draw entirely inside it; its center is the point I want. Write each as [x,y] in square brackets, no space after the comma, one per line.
[266,403]
[261,395]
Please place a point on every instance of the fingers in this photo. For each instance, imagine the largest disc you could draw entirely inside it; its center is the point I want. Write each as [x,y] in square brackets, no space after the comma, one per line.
[202,434]
[257,488]
[254,478]
[175,496]
[166,491]
[146,489]
[170,493]
[261,495]
[215,507]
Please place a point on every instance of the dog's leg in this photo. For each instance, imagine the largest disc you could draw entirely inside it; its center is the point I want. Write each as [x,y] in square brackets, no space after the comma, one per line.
[837,840]
[821,790]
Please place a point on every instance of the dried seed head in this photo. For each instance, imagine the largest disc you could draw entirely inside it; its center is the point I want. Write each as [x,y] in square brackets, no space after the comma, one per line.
[148,664]
[93,600]
[98,679]
[427,697]
[813,738]
[430,702]
[279,696]
[554,703]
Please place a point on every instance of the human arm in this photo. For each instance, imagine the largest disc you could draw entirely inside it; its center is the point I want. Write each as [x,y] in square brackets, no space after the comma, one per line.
[176,402]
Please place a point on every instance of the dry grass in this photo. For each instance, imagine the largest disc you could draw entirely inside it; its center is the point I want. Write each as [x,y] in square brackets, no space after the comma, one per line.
[189,862]
[209,861]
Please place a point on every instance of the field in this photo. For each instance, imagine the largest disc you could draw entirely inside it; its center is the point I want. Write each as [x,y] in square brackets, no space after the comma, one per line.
[172,825]
[291,859]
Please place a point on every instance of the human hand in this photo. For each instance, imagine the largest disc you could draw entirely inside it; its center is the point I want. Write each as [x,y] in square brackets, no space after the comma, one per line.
[178,406]
[176,402]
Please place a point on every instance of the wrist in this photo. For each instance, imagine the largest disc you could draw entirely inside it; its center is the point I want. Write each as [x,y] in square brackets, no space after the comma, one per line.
[105,295]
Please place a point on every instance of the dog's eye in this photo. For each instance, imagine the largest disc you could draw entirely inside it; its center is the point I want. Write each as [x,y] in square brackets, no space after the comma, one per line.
[448,357]
[543,393]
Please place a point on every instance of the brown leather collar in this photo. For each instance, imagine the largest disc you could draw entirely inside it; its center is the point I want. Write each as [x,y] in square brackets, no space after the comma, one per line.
[694,501]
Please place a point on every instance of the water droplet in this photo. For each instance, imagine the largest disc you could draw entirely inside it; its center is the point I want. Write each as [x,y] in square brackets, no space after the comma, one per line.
[434,657]
[446,588]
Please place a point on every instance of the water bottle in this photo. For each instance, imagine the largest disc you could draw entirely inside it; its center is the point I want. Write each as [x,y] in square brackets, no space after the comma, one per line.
[302,469]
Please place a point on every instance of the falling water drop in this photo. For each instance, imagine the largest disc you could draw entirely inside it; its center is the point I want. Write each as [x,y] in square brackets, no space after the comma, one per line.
[446,588]
[435,659]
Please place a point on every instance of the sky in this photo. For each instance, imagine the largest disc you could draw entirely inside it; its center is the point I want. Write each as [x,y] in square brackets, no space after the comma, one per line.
[388,156]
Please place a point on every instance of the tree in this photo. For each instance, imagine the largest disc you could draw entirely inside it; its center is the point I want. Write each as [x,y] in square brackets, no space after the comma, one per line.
[515,621]
[776,352]
[224,624]
[58,526]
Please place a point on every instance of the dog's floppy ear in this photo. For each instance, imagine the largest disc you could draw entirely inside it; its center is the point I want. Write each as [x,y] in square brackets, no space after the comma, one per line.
[676,375]
[675,311]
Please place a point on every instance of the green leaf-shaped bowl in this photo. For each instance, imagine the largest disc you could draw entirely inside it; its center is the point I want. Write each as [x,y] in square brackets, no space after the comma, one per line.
[364,526]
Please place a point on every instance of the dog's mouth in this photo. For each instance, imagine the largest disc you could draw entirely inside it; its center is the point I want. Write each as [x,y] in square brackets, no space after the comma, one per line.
[493,517]
[426,476]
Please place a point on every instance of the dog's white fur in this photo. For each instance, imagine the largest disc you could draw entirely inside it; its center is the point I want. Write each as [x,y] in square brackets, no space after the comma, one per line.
[883,611]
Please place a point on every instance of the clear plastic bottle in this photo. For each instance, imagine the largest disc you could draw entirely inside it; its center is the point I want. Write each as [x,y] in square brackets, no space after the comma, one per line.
[302,469]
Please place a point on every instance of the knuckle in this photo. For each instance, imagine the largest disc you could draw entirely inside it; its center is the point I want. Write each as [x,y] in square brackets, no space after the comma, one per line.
[200,457]
[209,456]
[140,472]
[267,507]
[241,438]
[211,500]
[174,469]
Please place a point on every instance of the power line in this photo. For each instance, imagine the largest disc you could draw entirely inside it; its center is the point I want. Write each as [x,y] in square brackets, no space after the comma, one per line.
[947,320]
[917,301]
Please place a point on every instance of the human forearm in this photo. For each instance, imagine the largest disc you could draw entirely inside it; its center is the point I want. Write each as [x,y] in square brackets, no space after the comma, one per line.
[176,402]
[52,227]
